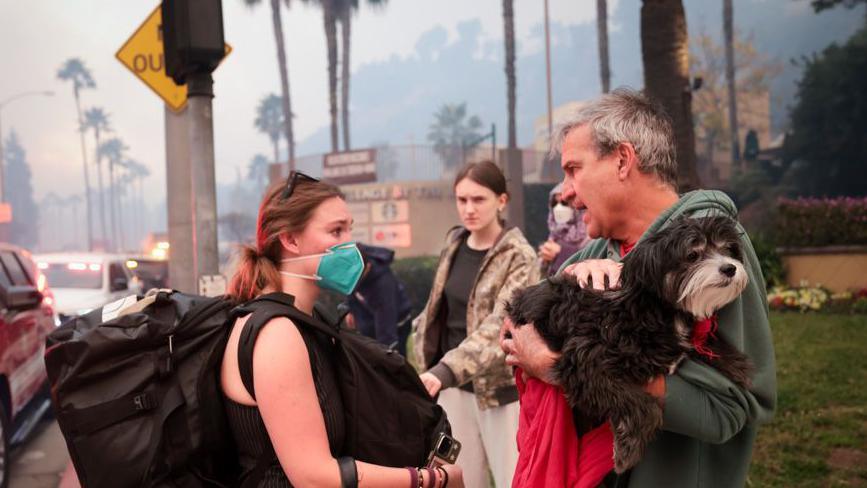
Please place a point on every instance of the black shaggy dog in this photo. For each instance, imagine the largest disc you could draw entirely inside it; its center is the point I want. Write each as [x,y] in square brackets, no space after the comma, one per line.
[613,342]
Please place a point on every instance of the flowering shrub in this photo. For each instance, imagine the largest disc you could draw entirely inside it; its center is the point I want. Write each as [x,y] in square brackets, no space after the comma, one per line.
[801,299]
[807,298]
[808,222]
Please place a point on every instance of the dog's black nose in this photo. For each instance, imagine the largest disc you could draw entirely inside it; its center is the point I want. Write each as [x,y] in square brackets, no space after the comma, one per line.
[728,269]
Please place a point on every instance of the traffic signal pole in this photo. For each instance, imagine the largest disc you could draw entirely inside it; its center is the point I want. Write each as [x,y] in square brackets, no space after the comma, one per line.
[194,45]
[200,94]
[179,202]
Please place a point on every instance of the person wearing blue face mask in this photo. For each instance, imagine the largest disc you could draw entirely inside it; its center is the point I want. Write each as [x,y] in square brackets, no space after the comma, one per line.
[302,246]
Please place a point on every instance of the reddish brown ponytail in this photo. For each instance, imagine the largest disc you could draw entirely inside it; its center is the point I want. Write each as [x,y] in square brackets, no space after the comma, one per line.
[257,264]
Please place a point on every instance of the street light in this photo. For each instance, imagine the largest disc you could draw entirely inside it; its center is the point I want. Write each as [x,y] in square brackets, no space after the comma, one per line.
[3,104]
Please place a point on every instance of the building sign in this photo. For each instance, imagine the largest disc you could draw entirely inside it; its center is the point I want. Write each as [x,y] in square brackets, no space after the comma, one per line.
[391,235]
[350,167]
[360,213]
[389,211]
[397,192]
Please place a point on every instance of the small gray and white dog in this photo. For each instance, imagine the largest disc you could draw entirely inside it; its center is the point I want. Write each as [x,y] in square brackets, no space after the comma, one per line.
[614,341]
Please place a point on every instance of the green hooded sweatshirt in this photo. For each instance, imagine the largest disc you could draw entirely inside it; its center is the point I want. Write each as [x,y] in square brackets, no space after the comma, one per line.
[709,423]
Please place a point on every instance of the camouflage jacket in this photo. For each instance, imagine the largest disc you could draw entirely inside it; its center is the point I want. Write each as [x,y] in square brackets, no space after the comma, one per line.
[510,264]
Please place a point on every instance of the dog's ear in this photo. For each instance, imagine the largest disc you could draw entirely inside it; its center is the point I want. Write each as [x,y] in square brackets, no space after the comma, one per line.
[645,265]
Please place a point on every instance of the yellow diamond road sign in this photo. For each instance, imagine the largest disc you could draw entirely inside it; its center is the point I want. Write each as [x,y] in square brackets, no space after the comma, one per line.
[143,55]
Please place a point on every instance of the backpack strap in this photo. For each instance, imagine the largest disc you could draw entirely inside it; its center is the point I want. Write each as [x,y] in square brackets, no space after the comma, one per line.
[264,309]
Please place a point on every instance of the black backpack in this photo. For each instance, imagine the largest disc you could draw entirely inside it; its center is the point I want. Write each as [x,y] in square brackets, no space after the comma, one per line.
[390,418]
[137,396]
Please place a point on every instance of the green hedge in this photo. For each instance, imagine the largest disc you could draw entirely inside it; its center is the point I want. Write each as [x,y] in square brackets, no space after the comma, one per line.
[769,260]
[812,222]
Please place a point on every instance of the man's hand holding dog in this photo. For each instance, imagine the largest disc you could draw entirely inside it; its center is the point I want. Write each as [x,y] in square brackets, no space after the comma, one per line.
[596,271]
[525,348]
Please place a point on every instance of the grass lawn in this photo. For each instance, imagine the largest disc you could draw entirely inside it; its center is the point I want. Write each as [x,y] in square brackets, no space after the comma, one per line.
[819,434]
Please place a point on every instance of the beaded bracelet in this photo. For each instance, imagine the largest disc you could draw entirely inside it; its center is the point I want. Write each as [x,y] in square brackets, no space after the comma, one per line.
[420,477]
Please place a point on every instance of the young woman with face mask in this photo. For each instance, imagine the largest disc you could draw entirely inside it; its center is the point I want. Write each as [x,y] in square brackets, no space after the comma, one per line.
[456,335]
[302,245]
[567,233]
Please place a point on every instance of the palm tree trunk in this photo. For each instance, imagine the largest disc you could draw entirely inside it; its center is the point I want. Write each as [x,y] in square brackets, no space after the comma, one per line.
[74,221]
[276,150]
[330,24]
[665,54]
[101,189]
[602,35]
[111,205]
[284,81]
[509,37]
[86,177]
[728,30]
[345,21]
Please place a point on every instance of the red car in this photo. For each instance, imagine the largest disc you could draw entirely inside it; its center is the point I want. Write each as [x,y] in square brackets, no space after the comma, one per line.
[26,318]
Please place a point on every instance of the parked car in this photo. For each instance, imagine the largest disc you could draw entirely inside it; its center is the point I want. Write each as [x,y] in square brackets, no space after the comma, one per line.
[84,281]
[26,318]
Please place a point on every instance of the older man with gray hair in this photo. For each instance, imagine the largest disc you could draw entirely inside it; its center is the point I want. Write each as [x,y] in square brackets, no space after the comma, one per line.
[618,156]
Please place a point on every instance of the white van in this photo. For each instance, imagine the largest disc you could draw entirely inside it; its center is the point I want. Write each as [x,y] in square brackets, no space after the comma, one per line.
[84,281]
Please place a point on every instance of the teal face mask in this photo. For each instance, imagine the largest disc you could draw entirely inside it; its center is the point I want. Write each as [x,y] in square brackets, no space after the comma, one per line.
[339,269]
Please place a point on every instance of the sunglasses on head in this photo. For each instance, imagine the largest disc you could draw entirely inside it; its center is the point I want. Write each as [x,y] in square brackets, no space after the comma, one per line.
[292,181]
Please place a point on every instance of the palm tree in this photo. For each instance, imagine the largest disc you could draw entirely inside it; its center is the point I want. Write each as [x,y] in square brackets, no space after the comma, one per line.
[665,54]
[258,171]
[345,9]
[728,32]
[74,70]
[329,18]
[122,180]
[138,172]
[72,202]
[451,131]
[113,150]
[284,73]
[97,120]
[269,120]
[602,36]
[509,37]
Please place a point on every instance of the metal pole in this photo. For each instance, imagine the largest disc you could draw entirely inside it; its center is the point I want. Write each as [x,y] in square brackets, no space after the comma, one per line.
[548,69]
[200,92]
[178,202]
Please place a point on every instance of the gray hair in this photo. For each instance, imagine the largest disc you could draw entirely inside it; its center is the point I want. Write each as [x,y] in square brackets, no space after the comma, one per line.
[625,115]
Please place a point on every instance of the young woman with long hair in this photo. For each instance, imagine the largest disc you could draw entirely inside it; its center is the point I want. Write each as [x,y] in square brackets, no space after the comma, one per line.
[456,337]
[297,414]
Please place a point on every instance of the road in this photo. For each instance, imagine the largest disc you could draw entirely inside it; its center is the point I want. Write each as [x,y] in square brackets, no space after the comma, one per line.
[42,461]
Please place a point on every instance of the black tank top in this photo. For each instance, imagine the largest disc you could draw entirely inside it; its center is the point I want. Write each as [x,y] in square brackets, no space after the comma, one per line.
[248,428]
